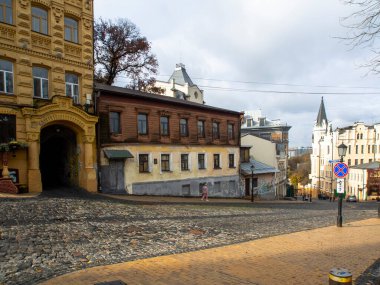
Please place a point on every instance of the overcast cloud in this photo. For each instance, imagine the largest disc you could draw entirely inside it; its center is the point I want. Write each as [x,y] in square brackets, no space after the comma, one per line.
[290,42]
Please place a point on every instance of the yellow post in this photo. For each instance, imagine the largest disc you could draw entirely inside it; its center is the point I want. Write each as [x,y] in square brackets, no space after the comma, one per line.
[340,276]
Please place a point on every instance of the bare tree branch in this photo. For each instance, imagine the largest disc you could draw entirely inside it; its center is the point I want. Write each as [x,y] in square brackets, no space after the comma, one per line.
[364,29]
[120,50]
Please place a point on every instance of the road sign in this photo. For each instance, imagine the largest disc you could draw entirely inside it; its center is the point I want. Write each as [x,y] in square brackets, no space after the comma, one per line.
[340,170]
[334,161]
[340,185]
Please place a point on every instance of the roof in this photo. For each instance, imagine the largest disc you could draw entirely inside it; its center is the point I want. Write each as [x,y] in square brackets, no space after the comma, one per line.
[180,75]
[321,114]
[259,168]
[117,154]
[370,165]
[127,92]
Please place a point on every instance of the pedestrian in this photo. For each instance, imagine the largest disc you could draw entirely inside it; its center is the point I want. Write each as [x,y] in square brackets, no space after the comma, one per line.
[204,192]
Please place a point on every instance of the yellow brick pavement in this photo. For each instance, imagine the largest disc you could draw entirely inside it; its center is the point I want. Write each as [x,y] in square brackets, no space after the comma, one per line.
[298,258]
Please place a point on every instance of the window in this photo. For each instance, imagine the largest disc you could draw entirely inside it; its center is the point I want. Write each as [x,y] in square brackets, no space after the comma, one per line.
[183,126]
[369,160]
[39,20]
[349,162]
[231,160]
[369,149]
[7,128]
[6,76]
[361,136]
[164,126]
[362,148]
[6,11]
[201,161]
[244,154]
[216,161]
[184,162]
[356,162]
[142,124]
[72,86]
[201,129]
[40,82]
[356,149]
[143,163]
[215,130]
[373,148]
[230,131]
[165,162]
[115,123]
[361,161]
[349,149]
[71,30]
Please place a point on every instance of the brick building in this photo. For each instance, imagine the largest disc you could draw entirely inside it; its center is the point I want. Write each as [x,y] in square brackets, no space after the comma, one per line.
[158,145]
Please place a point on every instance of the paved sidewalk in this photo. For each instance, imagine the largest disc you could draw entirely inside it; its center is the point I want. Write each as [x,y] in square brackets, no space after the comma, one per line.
[192,200]
[298,258]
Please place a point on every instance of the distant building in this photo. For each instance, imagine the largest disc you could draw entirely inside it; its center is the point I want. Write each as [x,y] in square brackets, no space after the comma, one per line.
[181,86]
[261,154]
[362,141]
[364,181]
[274,131]
[298,151]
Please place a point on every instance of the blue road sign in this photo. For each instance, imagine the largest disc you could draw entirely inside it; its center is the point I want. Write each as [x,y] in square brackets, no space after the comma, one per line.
[334,161]
[340,170]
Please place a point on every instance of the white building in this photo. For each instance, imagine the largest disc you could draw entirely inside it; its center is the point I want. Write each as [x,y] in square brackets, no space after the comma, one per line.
[263,152]
[362,141]
[181,86]
[276,134]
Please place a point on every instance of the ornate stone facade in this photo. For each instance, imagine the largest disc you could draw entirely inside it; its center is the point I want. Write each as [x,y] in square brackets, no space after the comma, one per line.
[48,113]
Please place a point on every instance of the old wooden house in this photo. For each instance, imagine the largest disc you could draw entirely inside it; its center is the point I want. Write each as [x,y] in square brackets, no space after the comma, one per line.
[157,145]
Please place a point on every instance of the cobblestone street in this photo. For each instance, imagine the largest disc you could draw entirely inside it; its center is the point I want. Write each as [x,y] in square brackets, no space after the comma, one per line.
[56,233]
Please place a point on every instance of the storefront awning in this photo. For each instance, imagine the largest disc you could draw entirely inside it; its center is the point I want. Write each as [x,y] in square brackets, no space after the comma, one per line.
[117,154]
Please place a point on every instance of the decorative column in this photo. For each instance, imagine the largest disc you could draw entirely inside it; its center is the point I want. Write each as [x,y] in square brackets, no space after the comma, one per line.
[90,181]
[34,173]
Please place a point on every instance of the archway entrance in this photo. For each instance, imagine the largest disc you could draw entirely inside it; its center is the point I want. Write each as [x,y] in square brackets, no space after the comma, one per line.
[58,157]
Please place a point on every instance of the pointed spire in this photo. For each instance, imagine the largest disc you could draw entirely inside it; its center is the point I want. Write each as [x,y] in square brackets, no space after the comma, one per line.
[321,114]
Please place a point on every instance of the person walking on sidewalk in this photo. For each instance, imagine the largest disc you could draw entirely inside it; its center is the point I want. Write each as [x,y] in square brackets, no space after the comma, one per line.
[204,192]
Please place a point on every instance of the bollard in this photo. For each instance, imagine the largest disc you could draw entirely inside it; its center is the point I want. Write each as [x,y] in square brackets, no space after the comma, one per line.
[339,276]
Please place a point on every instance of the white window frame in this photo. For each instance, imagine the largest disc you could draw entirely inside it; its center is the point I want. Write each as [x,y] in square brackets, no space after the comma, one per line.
[41,80]
[71,86]
[4,73]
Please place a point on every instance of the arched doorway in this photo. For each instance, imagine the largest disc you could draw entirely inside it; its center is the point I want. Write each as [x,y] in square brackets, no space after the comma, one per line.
[58,157]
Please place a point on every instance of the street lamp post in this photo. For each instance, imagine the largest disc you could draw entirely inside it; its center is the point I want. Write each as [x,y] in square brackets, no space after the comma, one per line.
[342,148]
[252,167]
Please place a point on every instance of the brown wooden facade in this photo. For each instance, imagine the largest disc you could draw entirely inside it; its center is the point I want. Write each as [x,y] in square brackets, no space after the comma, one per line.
[223,180]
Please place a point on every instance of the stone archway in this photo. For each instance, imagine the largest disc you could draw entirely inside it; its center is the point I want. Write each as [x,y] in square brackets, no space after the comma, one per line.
[78,126]
[58,157]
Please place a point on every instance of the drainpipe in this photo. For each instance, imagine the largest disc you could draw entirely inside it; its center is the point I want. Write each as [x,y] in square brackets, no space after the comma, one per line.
[97,129]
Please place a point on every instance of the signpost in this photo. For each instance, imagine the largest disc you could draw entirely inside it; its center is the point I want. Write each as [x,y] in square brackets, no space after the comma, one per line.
[340,170]
[340,185]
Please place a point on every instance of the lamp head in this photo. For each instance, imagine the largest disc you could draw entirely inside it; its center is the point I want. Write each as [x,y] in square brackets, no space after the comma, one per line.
[342,149]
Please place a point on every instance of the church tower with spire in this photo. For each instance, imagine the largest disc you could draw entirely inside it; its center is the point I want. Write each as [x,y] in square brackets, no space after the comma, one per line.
[322,145]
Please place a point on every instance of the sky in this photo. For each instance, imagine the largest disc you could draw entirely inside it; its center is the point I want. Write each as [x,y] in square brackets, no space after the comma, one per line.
[272,55]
